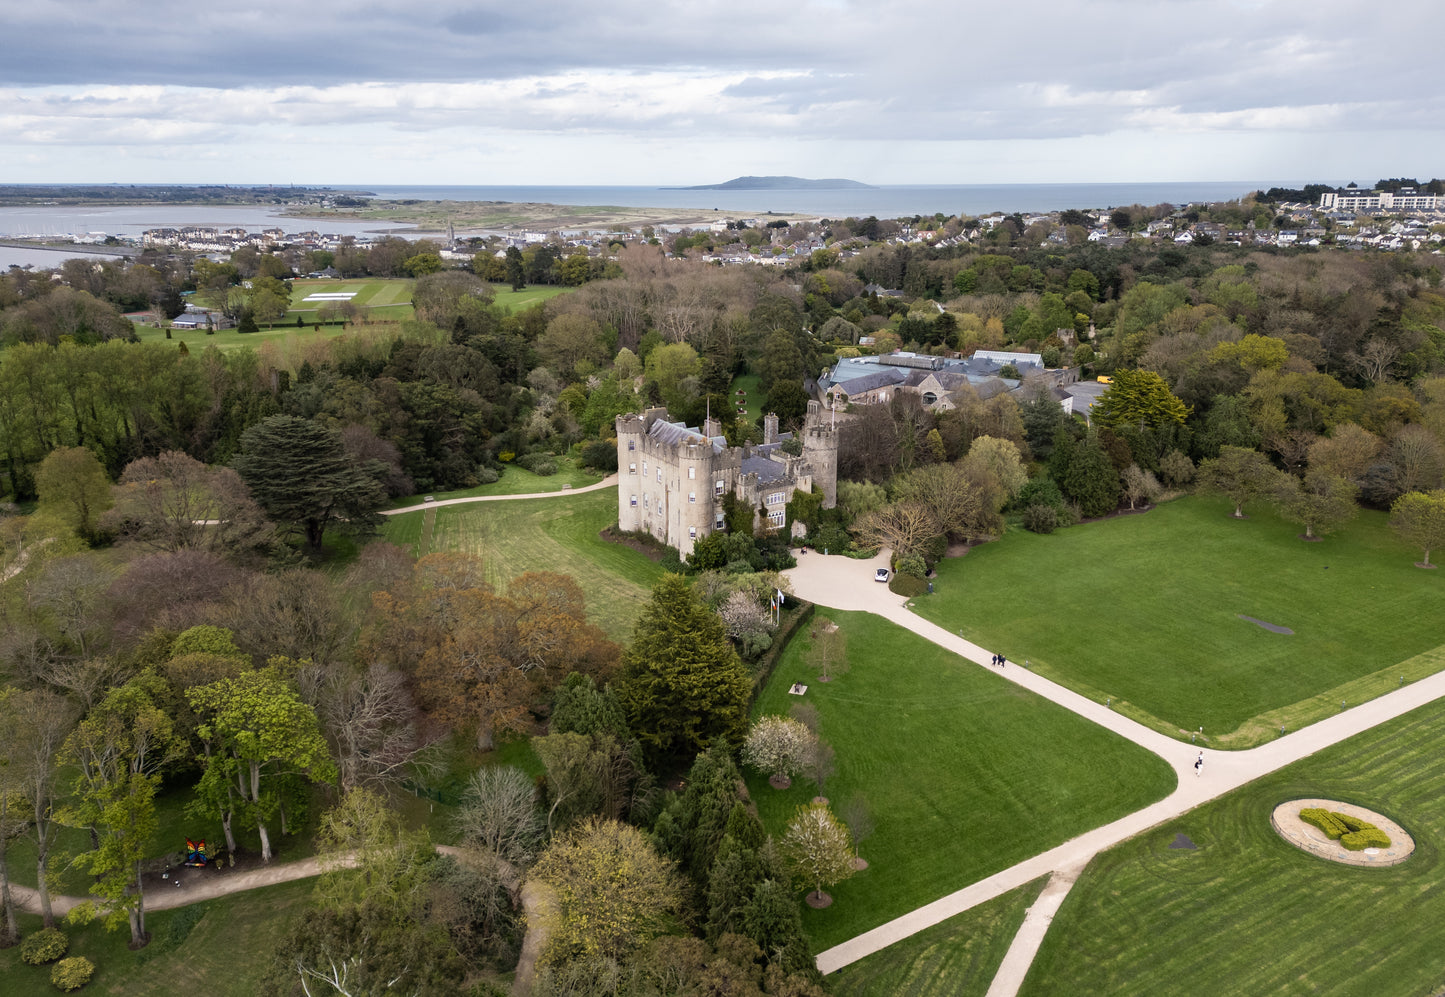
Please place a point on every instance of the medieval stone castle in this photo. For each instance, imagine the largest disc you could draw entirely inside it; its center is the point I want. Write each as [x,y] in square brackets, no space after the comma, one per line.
[671,478]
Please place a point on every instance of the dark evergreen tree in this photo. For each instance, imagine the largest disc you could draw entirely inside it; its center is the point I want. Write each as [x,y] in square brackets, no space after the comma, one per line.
[1090,479]
[299,472]
[682,685]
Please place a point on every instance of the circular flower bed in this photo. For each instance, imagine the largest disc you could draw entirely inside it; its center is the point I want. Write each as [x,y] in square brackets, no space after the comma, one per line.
[1307,837]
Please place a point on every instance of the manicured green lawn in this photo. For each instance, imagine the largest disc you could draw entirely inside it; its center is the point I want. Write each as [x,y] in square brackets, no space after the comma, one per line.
[230,339]
[955,958]
[1245,913]
[223,954]
[752,400]
[516,481]
[515,301]
[553,534]
[964,772]
[1146,609]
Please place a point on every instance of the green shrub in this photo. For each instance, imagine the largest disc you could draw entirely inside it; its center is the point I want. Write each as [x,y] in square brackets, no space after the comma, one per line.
[1326,820]
[601,455]
[73,973]
[1351,823]
[1352,832]
[488,476]
[44,946]
[544,468]
[1041,519]
[913,565]
[1367,837]
[908,586]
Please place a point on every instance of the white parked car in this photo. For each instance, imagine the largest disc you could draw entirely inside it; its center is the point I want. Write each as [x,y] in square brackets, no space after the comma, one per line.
[881,575]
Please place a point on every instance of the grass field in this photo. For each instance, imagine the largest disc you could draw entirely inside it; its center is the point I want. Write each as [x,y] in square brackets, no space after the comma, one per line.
[1247,914]
[515,301]
[223,954]
[964,772]
[1146,610]
[554,534]
[955,958]
[752,400]
[377,297]
[516,481]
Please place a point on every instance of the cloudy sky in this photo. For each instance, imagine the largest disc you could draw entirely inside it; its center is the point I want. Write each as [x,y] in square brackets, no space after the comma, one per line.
[662,92]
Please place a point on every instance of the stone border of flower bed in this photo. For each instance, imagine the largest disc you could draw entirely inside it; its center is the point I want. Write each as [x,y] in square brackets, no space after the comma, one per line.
[1307,837]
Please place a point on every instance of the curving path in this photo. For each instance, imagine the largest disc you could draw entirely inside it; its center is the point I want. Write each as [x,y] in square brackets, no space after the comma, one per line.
[845,583]
[199,884]
[608,482]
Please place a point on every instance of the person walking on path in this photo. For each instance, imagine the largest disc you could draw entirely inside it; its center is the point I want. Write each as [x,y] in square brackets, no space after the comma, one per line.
[1199,765]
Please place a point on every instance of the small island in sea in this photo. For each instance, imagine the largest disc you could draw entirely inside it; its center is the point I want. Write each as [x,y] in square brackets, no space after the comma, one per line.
[779,183]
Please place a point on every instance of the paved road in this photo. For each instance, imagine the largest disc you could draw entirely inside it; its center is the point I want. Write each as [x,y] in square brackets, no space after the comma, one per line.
[608,482]
[845,583]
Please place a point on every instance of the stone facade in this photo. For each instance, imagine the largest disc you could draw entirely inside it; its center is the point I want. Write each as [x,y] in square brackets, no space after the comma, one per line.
[671,478]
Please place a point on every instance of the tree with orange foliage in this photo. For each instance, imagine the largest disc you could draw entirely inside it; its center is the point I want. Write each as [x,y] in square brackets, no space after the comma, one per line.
[481,660]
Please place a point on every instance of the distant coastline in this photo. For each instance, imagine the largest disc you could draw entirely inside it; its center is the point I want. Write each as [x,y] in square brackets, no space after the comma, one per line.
[779,183]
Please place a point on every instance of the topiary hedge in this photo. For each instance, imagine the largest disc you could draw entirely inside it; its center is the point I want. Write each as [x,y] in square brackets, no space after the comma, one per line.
[1352,832]
[44,946]
[1366,837]
[1326,820]
[73,973]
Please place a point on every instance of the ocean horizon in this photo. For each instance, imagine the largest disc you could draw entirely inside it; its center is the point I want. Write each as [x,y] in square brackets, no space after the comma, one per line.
[888,201]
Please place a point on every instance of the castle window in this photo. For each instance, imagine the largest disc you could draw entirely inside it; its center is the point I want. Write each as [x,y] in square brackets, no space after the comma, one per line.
[644,500]
[719,489]
[631,444]
[634,500]
[719,524]
[692,532]
[691,473]
[631,468]
[776,498]
[659,474]
[776,518]
[929,398]
[659,507]
[692,496]
[644,467]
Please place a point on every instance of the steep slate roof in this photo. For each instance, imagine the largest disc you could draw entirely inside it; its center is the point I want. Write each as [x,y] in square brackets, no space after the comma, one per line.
[673,433]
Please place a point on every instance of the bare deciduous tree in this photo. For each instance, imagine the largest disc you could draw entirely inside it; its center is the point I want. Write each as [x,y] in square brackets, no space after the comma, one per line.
[368,718]
[903,526]
[499,813]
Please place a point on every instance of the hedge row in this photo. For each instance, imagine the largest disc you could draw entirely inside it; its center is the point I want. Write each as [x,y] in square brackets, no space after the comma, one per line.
[1352,832]
[796,614]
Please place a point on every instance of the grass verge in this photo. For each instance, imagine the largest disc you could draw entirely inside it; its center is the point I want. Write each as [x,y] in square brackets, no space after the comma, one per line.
[954,958]
[965,773]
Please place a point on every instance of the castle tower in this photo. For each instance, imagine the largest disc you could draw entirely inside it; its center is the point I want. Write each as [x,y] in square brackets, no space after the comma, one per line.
[631,429]
[770,427]
[820,449]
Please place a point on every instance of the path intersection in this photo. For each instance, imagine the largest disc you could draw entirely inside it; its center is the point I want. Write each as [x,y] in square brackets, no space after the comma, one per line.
[847,583]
